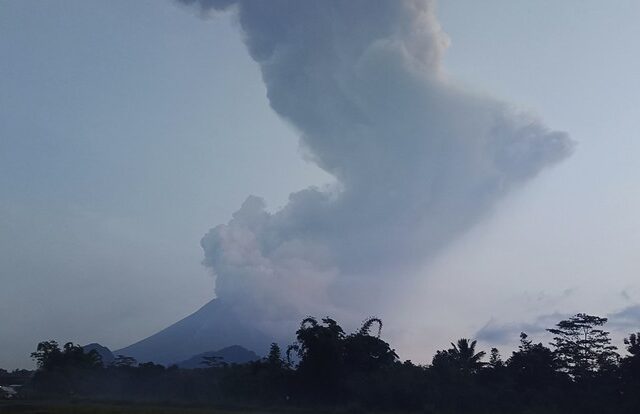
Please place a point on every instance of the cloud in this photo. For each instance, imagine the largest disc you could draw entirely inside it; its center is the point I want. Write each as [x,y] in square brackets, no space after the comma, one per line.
[626,319]
[498,333]
[417,159]
[620,323]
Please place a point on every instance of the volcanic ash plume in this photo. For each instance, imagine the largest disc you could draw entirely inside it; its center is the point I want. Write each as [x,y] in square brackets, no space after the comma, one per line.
[417,159]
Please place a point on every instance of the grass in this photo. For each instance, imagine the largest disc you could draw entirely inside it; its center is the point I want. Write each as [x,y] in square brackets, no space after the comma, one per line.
[39,407]
[20,407]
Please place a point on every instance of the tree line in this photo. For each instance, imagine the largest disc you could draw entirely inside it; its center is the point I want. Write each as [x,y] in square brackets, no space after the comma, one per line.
[579,371]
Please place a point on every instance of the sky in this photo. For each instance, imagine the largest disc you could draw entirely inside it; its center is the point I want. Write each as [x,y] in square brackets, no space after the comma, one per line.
[129,129]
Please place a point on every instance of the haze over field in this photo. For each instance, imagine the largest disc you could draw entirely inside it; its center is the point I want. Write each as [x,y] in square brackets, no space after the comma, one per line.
[362,160]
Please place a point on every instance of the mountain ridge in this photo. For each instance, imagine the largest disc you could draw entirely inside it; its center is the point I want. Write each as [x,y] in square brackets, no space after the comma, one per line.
[213,326]
[234,354]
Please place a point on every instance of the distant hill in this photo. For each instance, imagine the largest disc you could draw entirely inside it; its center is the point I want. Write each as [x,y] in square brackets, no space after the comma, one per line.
[213,326]
[104,352]
[234,354]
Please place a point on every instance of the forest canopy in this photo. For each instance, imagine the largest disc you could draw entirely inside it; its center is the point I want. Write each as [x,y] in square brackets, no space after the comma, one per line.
[579,371]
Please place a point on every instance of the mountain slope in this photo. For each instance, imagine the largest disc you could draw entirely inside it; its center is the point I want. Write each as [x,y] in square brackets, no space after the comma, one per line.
[212,327]
[234,354]
[105,353]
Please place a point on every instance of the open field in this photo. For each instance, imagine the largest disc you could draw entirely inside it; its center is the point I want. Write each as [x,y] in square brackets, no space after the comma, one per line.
[24,407]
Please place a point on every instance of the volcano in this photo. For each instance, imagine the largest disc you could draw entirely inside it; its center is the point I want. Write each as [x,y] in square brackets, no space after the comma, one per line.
[210,328]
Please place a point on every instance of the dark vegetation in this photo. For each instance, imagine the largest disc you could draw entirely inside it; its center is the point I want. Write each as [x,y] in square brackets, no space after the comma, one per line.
[328,369]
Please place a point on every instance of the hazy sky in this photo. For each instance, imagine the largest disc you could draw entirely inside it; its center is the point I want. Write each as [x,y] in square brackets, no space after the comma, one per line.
[128,129]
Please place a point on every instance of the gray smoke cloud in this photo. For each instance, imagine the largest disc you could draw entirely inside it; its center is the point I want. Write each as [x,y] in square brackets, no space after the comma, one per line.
[417,159]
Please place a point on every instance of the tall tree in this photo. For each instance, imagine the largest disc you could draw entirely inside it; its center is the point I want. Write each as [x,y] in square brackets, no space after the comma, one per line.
[631,364]
[320,348]
[461,357]
[274,359]
[365,352]
[495,360]
[49,356]
[633,344]
[532,365]
[581,346]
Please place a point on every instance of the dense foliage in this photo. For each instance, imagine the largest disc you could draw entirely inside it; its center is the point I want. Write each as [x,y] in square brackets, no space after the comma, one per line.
[581,372]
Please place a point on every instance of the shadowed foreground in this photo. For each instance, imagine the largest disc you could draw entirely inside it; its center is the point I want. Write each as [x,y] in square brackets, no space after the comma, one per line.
[329,371]
[105,408]
[111,408]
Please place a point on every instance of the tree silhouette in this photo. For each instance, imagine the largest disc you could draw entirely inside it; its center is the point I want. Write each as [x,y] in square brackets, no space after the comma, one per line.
[581,347]
[213,361]
[365,329]
[461,358]
[366,353]
[495,360]
[359,372]
[320,348]
[465,356]
[631,364]
[66,370]
[124,361]
[274,359]
[633,344]
[532,365]
[49,356]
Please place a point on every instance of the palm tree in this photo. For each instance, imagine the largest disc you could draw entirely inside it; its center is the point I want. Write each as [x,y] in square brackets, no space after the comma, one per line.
[464,356]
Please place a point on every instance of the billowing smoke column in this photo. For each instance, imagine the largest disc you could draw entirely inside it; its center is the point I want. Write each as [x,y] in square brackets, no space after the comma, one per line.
[417,159]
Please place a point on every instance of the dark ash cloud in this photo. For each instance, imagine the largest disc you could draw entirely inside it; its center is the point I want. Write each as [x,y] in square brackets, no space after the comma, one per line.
[417,159]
